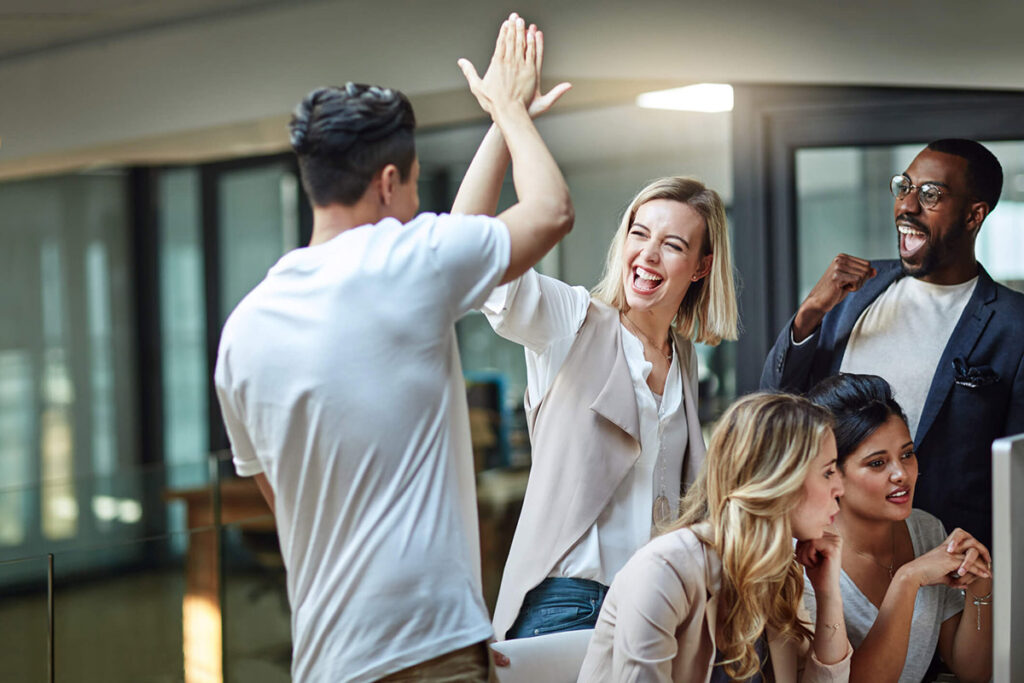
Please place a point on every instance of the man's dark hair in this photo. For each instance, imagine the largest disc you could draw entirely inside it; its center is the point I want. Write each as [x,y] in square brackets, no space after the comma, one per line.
[859,404]
[984,173]
[343,136]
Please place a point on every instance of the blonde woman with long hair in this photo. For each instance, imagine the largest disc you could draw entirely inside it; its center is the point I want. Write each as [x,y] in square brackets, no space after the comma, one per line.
[611,396]
[719,597]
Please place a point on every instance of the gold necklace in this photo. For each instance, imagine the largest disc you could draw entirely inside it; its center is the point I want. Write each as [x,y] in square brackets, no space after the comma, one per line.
[892,561]
[633,328]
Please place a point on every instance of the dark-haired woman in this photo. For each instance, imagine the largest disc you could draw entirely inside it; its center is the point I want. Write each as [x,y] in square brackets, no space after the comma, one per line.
[903,576]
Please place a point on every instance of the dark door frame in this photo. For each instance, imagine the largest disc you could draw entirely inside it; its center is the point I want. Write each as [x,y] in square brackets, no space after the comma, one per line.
[770,123]
[210,175]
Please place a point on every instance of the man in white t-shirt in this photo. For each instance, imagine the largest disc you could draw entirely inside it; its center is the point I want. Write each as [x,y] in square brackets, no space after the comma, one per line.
[339,379]
[947,338]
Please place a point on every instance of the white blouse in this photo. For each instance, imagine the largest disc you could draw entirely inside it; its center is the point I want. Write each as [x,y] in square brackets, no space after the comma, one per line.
[544,315]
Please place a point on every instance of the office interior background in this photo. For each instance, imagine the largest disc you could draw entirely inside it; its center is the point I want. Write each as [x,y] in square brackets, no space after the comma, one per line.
[146,185]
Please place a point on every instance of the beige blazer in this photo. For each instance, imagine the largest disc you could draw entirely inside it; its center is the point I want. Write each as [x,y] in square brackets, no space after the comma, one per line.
[585,435]
[658,621]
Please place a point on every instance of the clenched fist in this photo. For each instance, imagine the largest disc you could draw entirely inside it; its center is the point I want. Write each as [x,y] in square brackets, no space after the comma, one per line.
[844,275]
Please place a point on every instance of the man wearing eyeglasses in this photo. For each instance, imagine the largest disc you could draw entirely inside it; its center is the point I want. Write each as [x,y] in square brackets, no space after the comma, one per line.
[933,323]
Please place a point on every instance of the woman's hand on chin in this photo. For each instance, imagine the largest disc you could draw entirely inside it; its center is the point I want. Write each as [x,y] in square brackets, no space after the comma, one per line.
[822,560]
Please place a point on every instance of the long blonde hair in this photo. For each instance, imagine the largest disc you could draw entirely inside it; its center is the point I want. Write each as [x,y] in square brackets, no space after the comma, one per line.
[760,453]
[708,312]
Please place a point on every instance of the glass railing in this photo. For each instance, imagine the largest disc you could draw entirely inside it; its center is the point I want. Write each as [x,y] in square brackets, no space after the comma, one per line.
[167,573]
[154,573]
[24,620]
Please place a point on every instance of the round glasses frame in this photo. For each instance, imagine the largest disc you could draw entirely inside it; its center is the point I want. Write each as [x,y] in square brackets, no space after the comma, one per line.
[928,194]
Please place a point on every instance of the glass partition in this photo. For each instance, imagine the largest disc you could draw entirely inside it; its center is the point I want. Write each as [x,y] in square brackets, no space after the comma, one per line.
[204,603]
[258,220]
[67,349]
[182,320]
[257,618]
[125,625]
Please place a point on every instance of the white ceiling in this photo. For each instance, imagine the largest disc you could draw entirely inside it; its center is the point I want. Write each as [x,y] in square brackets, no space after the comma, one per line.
[28,26]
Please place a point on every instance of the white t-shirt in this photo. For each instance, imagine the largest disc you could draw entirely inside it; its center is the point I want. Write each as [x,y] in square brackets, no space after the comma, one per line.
[901,337]
[339,378]
[934,604]
[544,315]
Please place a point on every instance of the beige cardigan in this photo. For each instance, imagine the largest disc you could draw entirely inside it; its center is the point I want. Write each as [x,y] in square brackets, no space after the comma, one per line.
[585,434]
[658,621]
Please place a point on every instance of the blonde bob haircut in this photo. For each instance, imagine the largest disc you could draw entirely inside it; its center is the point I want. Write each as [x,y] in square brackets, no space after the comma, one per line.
[760,453]
[708,312]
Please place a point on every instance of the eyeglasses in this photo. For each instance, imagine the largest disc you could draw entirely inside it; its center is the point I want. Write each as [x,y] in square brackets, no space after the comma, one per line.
[928,194]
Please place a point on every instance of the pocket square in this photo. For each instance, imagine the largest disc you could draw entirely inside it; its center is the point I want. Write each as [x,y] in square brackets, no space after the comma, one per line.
[975,377]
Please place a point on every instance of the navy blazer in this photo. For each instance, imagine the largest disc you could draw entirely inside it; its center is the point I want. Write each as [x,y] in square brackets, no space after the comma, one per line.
[976,395]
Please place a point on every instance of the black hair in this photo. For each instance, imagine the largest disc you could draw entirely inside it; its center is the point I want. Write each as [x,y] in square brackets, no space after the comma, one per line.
[984,173]
[343,136]
[860,404]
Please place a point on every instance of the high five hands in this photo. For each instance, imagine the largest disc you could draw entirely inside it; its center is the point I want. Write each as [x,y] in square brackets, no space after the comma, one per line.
[514,72]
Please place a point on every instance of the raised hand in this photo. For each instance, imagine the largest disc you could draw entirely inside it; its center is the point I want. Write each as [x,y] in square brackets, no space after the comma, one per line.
[544,213]
[844,274]
[512,75]
[541,103]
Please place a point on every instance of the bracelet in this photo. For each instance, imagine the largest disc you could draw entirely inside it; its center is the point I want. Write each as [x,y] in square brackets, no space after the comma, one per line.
[834,627]
[978,601]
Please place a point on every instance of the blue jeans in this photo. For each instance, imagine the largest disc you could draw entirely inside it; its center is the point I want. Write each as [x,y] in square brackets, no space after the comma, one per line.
[559,604]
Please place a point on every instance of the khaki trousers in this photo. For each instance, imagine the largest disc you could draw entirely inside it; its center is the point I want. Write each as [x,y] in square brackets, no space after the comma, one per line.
[468,664]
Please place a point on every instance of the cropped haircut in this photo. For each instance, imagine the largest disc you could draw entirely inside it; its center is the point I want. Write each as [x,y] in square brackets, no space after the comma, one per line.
[984,172]
[708,312]
[760,453]
[859,404]
[343,136]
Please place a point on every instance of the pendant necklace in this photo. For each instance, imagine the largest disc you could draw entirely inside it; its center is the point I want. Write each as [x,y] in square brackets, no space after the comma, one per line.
[631,326]
[662,512]
[892,560]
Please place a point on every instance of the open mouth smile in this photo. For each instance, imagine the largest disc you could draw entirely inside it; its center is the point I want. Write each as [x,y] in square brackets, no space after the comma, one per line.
[645,281]
[911,239]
